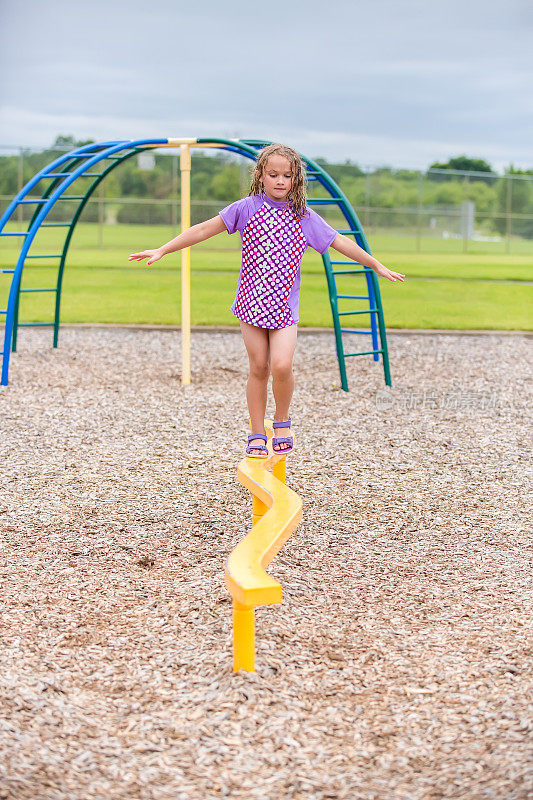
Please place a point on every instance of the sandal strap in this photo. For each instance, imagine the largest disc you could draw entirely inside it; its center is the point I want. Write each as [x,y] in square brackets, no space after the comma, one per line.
[282,440]
[258,436]
[282,424]
[256,447]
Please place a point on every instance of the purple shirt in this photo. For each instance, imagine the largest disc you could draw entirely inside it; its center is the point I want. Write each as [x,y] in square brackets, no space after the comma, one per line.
[273,243]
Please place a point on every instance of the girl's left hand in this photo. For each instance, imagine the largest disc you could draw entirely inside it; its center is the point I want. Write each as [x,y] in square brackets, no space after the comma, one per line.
[382,270]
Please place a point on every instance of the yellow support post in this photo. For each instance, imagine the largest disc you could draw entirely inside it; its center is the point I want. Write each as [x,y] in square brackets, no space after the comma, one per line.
[185,168]
[243,637]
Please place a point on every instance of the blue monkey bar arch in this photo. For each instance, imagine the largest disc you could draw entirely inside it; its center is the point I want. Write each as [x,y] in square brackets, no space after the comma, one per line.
[59,175]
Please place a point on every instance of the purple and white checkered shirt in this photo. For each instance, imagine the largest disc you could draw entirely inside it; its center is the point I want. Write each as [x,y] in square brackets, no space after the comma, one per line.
[273,243]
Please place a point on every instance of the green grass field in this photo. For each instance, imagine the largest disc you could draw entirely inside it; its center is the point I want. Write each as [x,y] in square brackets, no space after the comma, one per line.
[483,288]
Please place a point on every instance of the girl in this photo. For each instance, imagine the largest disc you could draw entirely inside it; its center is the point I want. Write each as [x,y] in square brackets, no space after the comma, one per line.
[276,227]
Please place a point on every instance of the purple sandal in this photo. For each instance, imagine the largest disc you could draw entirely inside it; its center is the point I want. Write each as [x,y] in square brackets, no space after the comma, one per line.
[282,439]
[257,446]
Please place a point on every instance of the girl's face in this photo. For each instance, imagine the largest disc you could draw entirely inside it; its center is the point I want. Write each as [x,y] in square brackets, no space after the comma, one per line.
[277,177]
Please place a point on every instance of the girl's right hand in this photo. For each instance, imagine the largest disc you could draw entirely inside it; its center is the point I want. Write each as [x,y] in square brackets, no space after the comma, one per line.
[152,255]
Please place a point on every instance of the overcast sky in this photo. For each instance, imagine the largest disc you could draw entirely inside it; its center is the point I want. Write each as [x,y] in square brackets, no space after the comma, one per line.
[379,82]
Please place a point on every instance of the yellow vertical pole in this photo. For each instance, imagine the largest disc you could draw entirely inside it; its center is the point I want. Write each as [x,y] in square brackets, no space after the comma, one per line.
[243,637]
[185,169]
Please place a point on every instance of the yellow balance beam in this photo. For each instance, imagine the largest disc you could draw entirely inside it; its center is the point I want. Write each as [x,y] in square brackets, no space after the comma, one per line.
[277,512]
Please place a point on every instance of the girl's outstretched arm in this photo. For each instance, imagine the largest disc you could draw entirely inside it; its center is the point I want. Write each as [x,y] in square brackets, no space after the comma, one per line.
[352,250]
[198,233]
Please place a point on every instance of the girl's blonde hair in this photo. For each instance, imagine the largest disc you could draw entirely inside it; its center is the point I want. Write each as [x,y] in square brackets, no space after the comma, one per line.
[298,192]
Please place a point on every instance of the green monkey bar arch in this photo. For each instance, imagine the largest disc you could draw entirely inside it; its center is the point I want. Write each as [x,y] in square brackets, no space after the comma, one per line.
[57,177]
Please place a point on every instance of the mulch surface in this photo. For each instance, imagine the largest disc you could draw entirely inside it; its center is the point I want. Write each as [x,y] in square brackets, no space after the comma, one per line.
[396,667]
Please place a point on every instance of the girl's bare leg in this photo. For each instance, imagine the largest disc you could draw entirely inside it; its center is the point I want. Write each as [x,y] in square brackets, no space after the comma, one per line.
[258,349]
[282,346]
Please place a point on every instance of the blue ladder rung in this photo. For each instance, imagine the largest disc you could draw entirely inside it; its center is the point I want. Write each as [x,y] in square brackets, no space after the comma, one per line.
[354,330]
[35,324]
[350,271]
[14,233]
[37,200]
[56,174]
[53,289]
[363,353]
[3,310]
[7,270]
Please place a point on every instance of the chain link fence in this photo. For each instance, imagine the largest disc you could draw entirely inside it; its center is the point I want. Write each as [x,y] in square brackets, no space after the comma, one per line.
[433,210]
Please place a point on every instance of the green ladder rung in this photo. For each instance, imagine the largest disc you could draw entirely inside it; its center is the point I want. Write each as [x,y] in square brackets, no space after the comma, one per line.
[72,197]
[90,175]
[324,201]
[350,271]
[363,353]
[53,289]
[36,324]
[46,255]
[118,158]
[350,296]
[56,224]
[347,231]
[363,311]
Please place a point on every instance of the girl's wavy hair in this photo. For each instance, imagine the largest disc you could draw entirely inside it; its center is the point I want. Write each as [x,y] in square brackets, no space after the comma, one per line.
[298,194]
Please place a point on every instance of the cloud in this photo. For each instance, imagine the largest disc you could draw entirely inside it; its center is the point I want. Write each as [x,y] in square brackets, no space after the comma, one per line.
[404,82]
[312,142]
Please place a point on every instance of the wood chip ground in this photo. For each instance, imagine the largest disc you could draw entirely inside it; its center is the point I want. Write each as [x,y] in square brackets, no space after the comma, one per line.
[396,667]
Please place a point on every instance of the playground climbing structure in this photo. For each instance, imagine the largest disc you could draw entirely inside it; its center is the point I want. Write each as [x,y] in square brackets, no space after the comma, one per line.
[87,166]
